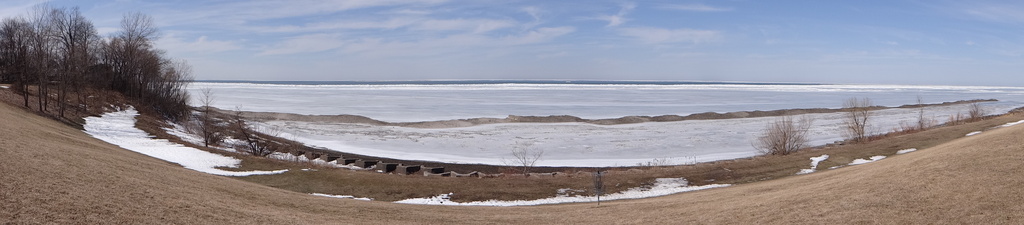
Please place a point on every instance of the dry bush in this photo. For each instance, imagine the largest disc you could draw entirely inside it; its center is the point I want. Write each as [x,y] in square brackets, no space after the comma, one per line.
[655,163]
[975,112]
[783,136]
[957,119]
[922,122]
[524,156]
[857,118]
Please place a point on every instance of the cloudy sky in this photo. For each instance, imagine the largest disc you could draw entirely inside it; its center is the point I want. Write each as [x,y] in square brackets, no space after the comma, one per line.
[875,42]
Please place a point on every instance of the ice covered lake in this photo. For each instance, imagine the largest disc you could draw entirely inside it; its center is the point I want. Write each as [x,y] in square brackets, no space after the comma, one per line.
[576,144]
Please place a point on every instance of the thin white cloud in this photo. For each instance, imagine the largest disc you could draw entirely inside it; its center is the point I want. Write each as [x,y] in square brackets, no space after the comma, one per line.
[474,25]
[236,14]
[543,34]
[695,8]
[107,31]
[412,23]
[995,12]
[393,23]
[201,44]
[534,13]
[411,12]
[653,35]
[305,44]
[619,18]
[18,7]
[553,55]
[469,43]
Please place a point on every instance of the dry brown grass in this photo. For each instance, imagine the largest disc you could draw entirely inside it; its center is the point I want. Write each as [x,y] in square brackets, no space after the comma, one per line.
[55,174]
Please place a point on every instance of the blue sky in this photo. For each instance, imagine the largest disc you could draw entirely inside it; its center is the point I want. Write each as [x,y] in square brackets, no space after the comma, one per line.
[869,42]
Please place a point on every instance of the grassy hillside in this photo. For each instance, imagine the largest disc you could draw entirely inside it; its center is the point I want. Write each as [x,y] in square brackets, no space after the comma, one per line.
[54,173]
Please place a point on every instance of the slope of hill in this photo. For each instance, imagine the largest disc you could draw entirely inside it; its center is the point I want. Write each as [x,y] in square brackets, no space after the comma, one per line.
[54,173]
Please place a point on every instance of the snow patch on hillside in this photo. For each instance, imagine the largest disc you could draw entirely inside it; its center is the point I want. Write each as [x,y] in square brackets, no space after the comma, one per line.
[341,196]
[869,160]
[814,164]
[905,151]
[661,187]
[118,128]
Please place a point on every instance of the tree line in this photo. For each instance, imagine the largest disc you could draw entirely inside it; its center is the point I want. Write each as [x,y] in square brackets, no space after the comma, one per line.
[58,53]
[787,135]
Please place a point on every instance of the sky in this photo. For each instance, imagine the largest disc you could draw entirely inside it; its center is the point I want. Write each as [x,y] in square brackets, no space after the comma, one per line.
[933,42]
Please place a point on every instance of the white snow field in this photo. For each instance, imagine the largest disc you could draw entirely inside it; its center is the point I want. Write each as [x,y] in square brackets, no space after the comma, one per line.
[118,128]
[662,186]
[579,144]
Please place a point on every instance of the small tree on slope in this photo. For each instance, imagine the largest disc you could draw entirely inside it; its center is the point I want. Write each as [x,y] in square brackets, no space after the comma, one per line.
[858,114]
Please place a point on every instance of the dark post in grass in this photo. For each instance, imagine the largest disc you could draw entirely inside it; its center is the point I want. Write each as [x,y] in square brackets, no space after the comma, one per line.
[598,185]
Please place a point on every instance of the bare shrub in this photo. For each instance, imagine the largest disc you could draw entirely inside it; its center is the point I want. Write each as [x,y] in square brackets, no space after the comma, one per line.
[975,112]
[783,136]
[858,115]
[922,122]
[524,156]
[655,163]
[959,118]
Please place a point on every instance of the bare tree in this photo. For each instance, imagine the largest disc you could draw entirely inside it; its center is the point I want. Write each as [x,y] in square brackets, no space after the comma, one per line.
[858,115]
[60,47]
[783,136]
[975,112]
[73,34]
[254,140]
[524,156]
[921,122]
[15,35]
[42,54]
[206,125]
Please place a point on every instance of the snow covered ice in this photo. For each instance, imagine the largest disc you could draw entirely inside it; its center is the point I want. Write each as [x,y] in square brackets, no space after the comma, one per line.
[579,144]
[414,103]
[118,128]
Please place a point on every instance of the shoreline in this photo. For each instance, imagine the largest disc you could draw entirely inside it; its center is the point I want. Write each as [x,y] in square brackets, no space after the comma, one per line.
[491,168]
[457,123]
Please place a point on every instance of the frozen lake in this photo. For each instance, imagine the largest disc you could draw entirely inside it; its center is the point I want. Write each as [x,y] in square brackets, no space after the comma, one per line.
[577,144]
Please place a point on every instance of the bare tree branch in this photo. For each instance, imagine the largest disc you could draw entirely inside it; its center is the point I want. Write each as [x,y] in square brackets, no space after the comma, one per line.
[858,115]
[524,156]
